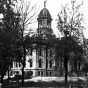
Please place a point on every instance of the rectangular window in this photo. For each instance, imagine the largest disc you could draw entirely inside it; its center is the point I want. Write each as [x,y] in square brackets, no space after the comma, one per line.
[30,65]
[38,73]
[31,50]
[41,73]
[40,63]
[50,63]
[31,73]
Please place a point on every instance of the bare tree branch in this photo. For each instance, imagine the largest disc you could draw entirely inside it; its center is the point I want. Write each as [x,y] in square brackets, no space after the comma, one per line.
[71,20]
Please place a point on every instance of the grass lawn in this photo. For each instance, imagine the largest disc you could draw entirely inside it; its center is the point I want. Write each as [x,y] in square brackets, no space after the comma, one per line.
[16,83]
[35,84]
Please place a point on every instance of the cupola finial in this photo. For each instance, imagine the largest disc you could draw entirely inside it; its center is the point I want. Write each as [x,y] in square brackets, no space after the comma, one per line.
[45,3]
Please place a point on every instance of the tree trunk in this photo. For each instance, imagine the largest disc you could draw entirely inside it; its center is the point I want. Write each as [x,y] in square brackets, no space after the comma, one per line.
[46,60]
[66,75]
[24,55]
[23,76]
[8,76]
[2,76]
[75,65]
[66,70]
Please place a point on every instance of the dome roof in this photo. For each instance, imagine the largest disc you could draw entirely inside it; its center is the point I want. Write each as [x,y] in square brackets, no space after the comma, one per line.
[44,13]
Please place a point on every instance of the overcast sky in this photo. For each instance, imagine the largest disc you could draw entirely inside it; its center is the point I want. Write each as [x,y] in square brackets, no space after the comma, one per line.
[54,7]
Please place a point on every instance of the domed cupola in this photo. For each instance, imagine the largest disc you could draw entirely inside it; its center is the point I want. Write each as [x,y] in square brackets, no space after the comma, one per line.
[44,22]
[44,13]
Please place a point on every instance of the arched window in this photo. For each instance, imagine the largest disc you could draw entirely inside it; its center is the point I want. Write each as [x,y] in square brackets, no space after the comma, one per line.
[40,52]
[31,62]
[40,63]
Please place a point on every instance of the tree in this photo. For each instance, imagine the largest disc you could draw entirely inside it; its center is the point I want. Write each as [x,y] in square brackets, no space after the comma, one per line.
[85,48]
[7,35]
[85,68]
[70,25]
[27,14]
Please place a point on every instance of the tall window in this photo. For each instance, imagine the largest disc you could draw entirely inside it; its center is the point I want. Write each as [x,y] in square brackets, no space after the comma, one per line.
[50,63]
[41,73]
[38,73]
[40,63]
[31,62]
[31,50]
[31,73]
[40,52]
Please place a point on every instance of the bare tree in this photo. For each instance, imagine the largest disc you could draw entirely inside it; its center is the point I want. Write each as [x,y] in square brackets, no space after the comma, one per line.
[27,15]
[70,25]
[71,20]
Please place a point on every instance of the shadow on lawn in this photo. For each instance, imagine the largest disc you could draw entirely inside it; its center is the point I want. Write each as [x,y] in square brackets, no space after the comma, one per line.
[36,84]
[44,85]
[14,83]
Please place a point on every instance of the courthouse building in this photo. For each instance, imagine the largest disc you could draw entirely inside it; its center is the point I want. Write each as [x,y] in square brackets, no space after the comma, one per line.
[38,64]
